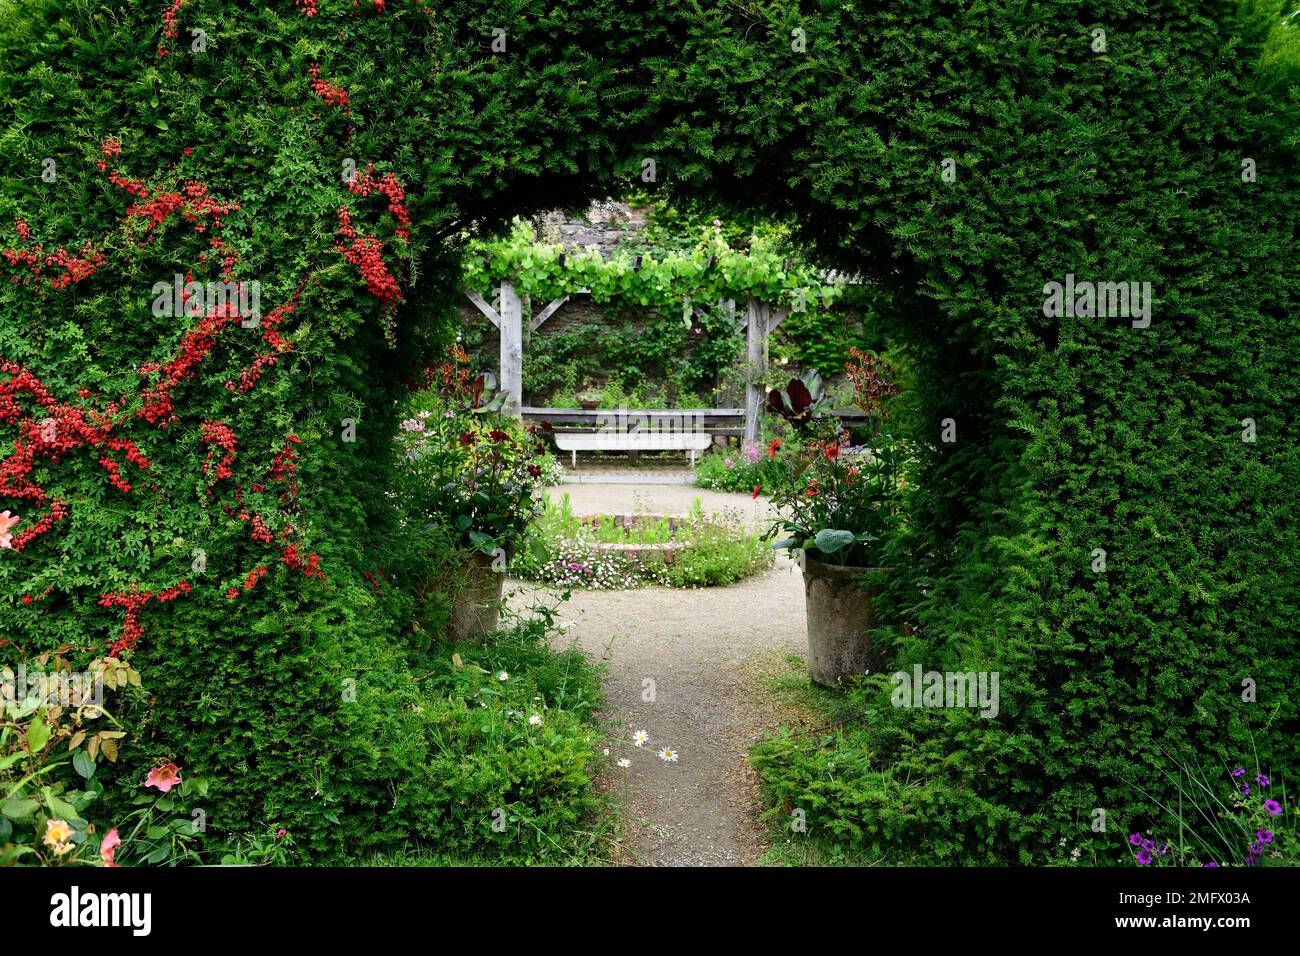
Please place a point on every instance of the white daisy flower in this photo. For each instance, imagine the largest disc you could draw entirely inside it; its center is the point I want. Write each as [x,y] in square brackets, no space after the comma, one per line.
[624,762]
[503,676]
[668,755]
[640,738]
[535,720]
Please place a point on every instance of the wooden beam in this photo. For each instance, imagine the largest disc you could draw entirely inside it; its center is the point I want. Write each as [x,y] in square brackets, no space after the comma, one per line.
[757,316]
[545,314]
[512,348]
[779,315]
[729,306]
[483,307]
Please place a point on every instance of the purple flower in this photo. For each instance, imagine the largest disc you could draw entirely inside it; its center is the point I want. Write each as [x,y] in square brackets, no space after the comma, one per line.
[1135,839]
[1211,863]
[1262,780]
[1162,849]
[1273,807]
[1251,860]
[1148,845]
[1144,857]
[1257,847]
[1245,790]
[729,463]
[1264,836]
[1239,771]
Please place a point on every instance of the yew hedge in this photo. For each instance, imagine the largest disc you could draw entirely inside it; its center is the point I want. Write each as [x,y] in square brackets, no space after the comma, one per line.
[231,152]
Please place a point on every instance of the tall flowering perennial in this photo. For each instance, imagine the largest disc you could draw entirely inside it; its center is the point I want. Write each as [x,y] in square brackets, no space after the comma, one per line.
[840,503]
[1246,832]
[872,380]
[460,463]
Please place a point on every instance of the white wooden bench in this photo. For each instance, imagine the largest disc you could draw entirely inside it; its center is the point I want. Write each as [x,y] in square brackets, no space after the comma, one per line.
[633,441]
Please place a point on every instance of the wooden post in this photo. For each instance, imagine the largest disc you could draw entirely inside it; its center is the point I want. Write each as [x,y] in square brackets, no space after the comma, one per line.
[512,348]
[755,368]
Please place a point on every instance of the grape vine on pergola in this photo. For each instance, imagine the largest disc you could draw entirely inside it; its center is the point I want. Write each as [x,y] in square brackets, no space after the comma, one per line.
[769,285]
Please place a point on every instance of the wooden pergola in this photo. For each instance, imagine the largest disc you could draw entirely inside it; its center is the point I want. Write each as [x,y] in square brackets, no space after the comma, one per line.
[761,319]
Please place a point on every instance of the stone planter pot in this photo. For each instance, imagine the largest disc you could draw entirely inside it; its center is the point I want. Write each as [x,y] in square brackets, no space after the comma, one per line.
[476,609]
[840,619]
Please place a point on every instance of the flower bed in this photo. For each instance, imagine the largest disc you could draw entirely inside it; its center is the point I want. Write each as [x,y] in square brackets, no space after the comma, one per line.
[627,550]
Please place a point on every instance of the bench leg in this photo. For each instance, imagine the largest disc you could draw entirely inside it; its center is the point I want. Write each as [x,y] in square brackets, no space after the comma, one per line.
[575,459]
[692,459]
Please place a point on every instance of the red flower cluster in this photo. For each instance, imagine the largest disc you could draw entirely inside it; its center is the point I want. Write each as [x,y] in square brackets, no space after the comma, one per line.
[58,511]
[310,566]
[171,25]
[390,186]
[195,345]
[219,435]
[36,260]
[193,201]
[284,469]
[331,93]
[306,6]
[366,253]
[250,580]
[260,531]
[249,377]
[132,602]
[52,434]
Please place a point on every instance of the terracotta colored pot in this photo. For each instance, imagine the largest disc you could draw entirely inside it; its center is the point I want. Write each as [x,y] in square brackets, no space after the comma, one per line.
[840,618]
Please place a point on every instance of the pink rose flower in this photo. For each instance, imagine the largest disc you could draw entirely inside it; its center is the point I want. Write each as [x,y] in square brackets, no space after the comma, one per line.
[164,777]
[108,846]
[7,521]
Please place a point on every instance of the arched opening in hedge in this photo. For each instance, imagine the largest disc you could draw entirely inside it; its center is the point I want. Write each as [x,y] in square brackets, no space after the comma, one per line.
[339,160]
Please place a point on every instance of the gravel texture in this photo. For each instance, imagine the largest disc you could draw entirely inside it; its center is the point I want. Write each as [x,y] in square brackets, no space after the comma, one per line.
[698,647]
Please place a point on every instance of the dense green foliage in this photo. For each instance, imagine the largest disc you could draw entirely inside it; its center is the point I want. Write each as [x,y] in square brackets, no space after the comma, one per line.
[1072,433]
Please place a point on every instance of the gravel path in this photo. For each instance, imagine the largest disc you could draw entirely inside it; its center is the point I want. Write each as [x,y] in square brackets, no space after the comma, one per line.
[706,652]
